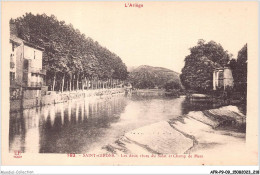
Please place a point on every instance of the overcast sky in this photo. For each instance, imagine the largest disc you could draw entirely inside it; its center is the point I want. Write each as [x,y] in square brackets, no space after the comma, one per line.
[159,34]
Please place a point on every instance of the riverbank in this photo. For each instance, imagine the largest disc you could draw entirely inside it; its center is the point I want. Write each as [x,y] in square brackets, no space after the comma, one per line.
[52,97]
[157,92]
[149,92]
[207,131]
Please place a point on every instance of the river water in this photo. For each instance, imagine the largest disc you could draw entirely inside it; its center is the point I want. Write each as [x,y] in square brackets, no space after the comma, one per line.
[83,125]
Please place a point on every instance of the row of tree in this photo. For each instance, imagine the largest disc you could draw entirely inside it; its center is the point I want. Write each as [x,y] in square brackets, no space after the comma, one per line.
[197,73]
[69,56]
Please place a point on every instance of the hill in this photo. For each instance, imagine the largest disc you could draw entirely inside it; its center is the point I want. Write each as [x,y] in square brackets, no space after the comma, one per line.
[151,77]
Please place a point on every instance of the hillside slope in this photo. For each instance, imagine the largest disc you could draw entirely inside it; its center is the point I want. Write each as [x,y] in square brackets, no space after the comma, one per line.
[151,77]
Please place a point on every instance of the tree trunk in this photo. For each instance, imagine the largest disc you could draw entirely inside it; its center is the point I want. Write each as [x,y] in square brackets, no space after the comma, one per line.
[68,88]
[77,87]
[70,83]
[83,81]
[54,81]
[73,83]
[62,86]
[72,79]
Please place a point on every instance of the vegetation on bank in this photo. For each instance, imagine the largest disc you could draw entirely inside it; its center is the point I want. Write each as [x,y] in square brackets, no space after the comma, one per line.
[197,74]
[173,88]
[70,58]
[239,69]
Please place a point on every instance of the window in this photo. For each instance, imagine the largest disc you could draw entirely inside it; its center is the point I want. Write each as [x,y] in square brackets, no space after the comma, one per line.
[25,64]
[12,47]
[221,79]
[220,75]
[12,65]
[12,76]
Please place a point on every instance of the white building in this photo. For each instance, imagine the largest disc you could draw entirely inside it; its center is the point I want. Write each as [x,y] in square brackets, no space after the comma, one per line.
[222,78]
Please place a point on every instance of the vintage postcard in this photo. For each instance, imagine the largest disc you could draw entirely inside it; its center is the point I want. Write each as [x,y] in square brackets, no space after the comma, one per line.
[129,83]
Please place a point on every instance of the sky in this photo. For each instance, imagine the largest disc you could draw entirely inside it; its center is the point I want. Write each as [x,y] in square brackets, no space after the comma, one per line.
[158,34]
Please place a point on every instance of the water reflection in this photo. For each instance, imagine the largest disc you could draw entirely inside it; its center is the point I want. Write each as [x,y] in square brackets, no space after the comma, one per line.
[188,106]
[79,126]
[63,127]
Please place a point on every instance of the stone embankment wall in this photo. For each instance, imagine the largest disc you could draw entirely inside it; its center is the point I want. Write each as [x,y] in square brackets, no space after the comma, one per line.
[58,97]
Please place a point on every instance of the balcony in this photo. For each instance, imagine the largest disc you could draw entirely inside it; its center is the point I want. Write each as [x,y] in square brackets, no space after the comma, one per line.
[36,70]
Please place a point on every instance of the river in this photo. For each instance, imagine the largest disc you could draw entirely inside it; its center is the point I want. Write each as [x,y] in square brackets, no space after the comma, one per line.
[83,125]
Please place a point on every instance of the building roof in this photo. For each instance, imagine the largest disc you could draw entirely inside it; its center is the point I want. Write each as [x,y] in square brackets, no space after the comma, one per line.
[14,38]
[33,46]
[222,68]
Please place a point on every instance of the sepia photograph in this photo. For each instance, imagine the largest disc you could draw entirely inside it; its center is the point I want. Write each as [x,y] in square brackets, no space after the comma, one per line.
[120,83]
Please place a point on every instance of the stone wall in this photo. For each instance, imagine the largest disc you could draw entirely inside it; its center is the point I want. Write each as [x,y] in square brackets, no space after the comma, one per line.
[57,97]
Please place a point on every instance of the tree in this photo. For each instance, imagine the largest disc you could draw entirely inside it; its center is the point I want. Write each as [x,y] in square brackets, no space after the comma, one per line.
[69,57]
[200,63]
[172,85]
[239,69]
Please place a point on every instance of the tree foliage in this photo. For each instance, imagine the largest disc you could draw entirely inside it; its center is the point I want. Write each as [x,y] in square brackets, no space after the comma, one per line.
[239,70]
[172,85]
[200,63]
[67,51]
